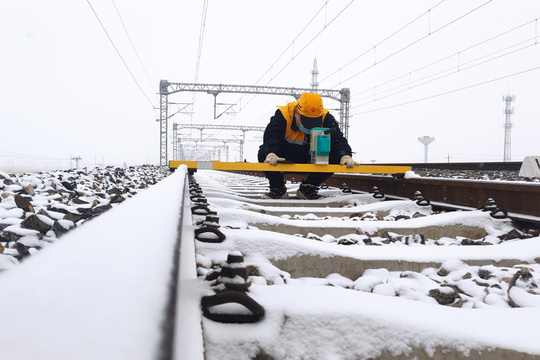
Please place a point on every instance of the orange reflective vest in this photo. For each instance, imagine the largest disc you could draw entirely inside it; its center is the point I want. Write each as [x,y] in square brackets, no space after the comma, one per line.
[294,136]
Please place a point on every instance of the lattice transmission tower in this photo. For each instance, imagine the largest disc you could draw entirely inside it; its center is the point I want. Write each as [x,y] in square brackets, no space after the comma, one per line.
[314,73]
[508,111]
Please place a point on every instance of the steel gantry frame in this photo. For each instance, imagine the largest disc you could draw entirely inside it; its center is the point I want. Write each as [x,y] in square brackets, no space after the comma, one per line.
[209,140]
[167,88]
[201,127]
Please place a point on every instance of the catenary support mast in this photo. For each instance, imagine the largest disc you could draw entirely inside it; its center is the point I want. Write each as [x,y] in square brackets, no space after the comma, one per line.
[166,88]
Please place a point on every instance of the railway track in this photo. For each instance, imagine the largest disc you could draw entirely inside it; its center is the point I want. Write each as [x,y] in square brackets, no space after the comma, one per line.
[200,267]
[460,166]
[520,199]
[358,242]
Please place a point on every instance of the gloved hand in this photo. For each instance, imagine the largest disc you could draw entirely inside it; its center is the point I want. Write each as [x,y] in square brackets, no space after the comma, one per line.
[273,159]
[347,160]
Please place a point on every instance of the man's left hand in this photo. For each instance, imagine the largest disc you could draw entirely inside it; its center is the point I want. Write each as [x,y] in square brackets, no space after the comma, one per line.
[347,160]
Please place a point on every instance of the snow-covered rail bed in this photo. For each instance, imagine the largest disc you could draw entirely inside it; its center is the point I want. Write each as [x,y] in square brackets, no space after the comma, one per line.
[396,280]
[103,289]
[352,276]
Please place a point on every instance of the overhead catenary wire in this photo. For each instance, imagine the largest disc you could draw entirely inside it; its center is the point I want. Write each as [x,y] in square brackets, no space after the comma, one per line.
[292,42]
[201,40]
[29,157]
[119,55]
[457,69]
[382,41]
[202,28]
[313,38]
[460,67]
[133,46]
[393,34]
[281,55]
[461,52]
[411,44]
[464,66]
[449,92]
[199,50]
[305,46]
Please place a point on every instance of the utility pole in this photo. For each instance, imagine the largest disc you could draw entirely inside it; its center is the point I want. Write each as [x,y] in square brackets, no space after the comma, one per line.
[508,111]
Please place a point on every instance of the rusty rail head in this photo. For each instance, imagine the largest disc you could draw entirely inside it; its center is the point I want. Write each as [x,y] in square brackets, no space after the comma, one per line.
[518,198]
[515,197]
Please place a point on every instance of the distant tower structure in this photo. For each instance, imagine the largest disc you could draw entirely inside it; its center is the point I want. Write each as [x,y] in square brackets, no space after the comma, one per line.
[508,111]
[426,140]
[314,73]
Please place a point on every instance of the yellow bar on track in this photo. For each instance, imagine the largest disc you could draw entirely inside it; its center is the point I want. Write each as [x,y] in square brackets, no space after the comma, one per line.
[173,164]
[289,167]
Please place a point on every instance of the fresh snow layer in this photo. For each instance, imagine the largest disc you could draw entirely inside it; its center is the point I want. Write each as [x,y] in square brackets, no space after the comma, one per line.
[100,291]
[341,318]
[322,322]
[278,246]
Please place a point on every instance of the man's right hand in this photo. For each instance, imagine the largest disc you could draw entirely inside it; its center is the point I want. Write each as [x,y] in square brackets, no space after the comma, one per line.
[273,159]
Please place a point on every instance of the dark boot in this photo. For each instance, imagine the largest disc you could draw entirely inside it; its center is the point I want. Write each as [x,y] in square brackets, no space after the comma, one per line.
[276,193]
[308,192]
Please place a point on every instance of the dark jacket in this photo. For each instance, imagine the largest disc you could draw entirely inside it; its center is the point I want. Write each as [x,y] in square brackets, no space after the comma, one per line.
[274,141]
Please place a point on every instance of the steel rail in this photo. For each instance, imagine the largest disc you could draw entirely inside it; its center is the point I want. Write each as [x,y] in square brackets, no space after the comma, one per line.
[492,165]
[302,265]
[519,198]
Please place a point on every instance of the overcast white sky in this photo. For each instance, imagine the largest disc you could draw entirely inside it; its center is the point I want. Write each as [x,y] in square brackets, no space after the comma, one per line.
[414,68]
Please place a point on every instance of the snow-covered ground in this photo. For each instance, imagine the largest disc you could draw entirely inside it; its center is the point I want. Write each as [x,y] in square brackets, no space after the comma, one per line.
[464,302]
[38,208]
[99,291]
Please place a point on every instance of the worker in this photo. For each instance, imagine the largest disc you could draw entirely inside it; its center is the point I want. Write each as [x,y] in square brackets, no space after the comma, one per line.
[287,138]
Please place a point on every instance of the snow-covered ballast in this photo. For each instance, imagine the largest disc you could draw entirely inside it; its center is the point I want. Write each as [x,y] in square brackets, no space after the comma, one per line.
[304,257]
[108,290]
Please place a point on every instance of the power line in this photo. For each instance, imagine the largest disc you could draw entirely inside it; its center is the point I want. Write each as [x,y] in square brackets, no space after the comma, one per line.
[449,92]
[312,39]
[317,35]
[383,41]
[294,40]
[281,55]
[199,50]
[30,157]
[458,68]
[120,55]
[133,46]
[201,39]
[408,74]
[412,43]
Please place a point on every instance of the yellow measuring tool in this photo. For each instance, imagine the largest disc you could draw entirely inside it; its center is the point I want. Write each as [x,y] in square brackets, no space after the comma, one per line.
[289,167]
